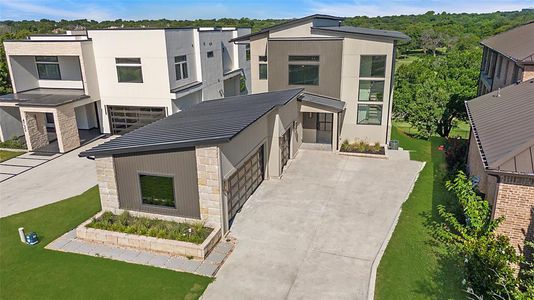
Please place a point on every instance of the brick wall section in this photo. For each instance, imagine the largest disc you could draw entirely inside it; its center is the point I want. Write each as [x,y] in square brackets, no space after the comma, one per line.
[209,185]
[107,184]
[66,128]
[35,131]
[515,202]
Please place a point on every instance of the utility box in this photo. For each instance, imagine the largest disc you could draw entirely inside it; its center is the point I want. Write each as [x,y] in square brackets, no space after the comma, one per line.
[393,145]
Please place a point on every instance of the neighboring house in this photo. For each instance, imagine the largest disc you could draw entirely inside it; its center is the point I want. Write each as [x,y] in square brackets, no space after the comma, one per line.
[75,86]
[349,64]
[209,158]
[501,156]
[507,58]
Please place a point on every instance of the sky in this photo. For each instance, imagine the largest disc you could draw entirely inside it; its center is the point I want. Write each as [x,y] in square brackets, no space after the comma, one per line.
[208,9]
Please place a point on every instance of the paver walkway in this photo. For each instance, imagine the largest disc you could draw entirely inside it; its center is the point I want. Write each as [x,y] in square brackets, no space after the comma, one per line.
[316,233]
[208,267]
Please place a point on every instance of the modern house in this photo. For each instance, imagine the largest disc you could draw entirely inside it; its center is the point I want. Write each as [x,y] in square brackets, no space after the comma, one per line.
[334,62]
[75,85]
[507,58]
[501,156]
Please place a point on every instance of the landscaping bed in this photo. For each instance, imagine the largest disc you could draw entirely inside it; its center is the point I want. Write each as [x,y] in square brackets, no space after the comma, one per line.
[18,143]
[190,240]
[362,148]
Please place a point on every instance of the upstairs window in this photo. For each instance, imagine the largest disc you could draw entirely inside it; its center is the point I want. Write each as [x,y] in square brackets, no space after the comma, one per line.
[371,90]
[263,58]
[303,70]
[247,52]
[369,114]
[180,67]
[129,70]
[373,66]
[210,54]
[48,67]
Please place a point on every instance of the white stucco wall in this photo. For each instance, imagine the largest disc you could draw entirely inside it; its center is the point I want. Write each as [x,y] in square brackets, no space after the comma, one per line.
[186,101]
[181,42]
[212,67]
[86,116]
[258,47]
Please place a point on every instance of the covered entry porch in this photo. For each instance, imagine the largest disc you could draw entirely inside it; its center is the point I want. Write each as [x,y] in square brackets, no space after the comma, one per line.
[320,121]
[51,120]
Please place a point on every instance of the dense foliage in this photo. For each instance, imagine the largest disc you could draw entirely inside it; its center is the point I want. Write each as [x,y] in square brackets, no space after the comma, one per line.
[430,92]
[488,259]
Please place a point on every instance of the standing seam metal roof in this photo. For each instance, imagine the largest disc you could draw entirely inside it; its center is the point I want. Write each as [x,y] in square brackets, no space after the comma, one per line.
[396,35]
[517,43]
[209,122]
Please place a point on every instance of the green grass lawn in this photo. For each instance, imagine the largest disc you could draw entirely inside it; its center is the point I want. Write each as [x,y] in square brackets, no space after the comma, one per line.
[34,272]
[460,130]
[413,266]
[5,155]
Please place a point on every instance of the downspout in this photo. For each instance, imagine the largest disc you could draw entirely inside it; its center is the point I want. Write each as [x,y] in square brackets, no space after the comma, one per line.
[392,78]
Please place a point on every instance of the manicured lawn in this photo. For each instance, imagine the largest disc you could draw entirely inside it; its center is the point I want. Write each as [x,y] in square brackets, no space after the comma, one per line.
[460,130]
[34,272]
[412,266]
[5,155]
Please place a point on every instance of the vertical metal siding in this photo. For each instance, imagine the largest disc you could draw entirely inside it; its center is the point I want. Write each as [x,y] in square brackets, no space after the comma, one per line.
[179,164]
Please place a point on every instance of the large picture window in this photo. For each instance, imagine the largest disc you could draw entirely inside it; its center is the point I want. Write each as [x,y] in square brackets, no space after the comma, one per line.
[371,90]
[370,114]
[48,67]
[373,66]
[180,67]
[303,69]
[157,190]
[129,70]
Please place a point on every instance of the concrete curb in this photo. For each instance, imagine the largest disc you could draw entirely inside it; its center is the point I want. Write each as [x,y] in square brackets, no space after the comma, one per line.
[378,257]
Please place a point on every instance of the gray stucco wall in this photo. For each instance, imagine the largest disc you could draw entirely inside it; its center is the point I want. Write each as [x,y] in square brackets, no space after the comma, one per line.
[181,165]
[10,123]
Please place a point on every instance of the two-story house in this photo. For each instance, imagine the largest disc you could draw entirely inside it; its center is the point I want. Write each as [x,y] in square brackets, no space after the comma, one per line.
[67,88]
[334,64]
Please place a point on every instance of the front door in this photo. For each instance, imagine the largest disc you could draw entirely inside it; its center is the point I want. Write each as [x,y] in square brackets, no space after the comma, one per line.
[324,128]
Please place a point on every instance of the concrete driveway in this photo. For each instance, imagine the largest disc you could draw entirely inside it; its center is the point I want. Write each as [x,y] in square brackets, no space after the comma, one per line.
[315,233]
[61,177]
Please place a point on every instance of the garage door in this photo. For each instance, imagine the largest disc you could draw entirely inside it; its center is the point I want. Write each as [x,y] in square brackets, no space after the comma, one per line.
[123,119]
[284,149]
[243,182]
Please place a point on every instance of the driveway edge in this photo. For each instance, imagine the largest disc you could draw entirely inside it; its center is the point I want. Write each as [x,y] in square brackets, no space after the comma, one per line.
[378,257]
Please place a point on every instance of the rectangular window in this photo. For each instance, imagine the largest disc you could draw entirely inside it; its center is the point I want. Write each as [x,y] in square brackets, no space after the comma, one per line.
[247,52]
[180,67]
[210,53]
[48,67]
[373,66]
[312,58]
[157,190]
[263,71]
[129,70]
[263,58]
[304,74]
[369,114]
[371,90]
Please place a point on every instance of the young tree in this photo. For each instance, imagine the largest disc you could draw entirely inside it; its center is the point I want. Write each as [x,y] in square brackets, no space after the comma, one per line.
[431,40]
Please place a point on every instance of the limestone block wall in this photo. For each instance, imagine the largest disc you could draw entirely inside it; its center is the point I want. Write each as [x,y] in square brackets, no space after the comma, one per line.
[107,184]
[515,202]
[35,131]
[66,128]
[209,185]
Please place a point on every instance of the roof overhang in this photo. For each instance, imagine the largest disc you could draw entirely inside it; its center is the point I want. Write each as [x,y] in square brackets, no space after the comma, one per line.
[42,97]
[329,103]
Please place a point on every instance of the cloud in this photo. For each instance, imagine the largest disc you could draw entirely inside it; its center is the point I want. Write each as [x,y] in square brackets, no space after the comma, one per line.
[17,10]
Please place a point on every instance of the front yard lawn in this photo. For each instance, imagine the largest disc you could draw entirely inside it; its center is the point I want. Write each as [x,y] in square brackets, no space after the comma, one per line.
[412,267]
[34,272]
[5,155]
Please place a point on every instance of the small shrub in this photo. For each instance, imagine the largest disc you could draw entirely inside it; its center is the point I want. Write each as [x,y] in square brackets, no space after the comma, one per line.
[456,155]
[361,147]
[14,143]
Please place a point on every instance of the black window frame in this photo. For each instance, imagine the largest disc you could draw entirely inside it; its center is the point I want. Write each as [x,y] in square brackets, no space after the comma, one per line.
[131,63]
[210,54]
[174,190]
[360,122]
[262,58]
[181,70]
[266,73]
[371,81]
[247,52]
[46,62]
[373,56]
[303,66]
[301,58]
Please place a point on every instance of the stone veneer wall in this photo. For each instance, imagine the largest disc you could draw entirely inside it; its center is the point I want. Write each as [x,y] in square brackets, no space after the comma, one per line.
[36,134]
[107,184]
[209,185]
[515,202]
[66,128]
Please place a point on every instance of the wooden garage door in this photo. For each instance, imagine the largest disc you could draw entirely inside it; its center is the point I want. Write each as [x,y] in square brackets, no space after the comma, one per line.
[284,148]
[243,182]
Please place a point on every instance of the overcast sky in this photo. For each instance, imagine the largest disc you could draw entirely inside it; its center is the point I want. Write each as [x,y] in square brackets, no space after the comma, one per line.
[207,9]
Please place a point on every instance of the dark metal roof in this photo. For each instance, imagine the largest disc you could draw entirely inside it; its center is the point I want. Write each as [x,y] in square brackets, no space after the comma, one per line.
[188,86]
[517,43]
[396,35]
[290,22]
[503,123]
[207,123]
[43,97]
[325,101]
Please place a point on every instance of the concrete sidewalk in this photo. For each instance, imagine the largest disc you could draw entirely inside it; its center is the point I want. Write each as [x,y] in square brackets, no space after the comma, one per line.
[62,177]
[315,233]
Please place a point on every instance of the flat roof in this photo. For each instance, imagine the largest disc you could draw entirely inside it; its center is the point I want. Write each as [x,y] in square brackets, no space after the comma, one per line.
[396,35]
[44,97]
[207,123]
[517,43]
[503,122]
[325,101]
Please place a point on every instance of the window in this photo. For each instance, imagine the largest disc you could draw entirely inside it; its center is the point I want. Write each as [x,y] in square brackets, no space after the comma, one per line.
[129,70]
[304,74]
[48,67]
[180,67]
[371,90]
[210,54]
[263,58]
[314,58]
[369,114]
[247,52]
[263,71]
[157,190]
[373,66]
